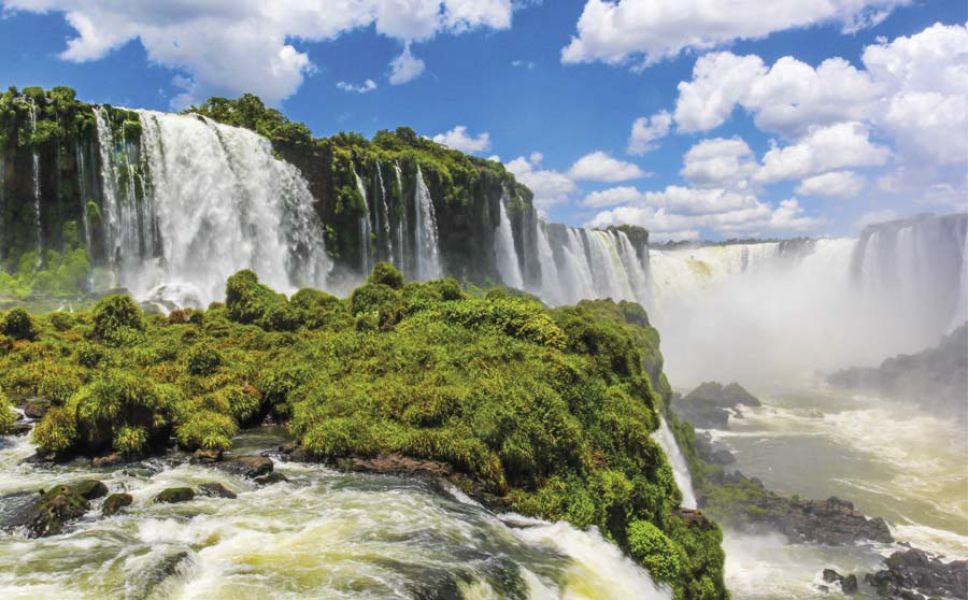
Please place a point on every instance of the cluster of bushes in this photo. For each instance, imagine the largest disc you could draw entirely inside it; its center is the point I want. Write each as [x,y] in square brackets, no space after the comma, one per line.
[548,411]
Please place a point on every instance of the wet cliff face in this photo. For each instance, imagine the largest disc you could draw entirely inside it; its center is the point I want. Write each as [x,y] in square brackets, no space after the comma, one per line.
[94,197]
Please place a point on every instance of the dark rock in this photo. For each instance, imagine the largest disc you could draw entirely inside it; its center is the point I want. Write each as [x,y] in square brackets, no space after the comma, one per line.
[849,584]
[168,567]
[114,503]
[831,576]
[206,456]
[271,478]
[91,489]
[710,405]
[19,428]
[247,466]
[49,512]
[914,574]
[175,494]
[36,408]
[394,464]
[216,490]
[108,461]
[713,452]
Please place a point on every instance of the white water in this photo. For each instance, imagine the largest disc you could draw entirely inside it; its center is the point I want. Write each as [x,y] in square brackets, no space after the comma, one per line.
[322,534]
[218,201]
[35,158]
[425,233]
[366,232]
[507,257]
[751,312]
[680,469]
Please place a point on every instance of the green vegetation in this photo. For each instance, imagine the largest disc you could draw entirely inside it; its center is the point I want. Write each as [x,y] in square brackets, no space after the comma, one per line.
[545,412]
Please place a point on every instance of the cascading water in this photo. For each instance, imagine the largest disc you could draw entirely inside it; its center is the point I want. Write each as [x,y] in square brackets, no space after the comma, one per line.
[680,469]
[507,257]
[383,219]
[35,158]
[400,232]
[218,201]
[425,233]
[551,284]
[366,231]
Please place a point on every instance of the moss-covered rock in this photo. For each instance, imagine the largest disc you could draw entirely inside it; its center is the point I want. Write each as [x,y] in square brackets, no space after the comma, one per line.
[114,503]
[175,495]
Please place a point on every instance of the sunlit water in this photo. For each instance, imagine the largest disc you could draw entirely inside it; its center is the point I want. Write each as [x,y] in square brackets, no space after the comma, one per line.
[890,460]
[321,535]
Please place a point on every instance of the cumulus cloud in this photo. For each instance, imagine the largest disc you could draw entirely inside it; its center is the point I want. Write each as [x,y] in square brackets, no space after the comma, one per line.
[823,149]
[405,67]
[550,187]
[647,130]
[458,139]
[599,166]
[229,47]
[835,184]
[646,31]
[367,86]
[720,162]
[612,196]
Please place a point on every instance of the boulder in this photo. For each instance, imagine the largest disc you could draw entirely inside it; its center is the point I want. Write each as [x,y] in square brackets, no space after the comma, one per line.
[206,456]
[91,489]
[49,511]
[271,478]
[216,490]
[107,461]
[114,503]
[710,405]
[915,574]
[848,583]
[247,466]
[36,408]
[175,494]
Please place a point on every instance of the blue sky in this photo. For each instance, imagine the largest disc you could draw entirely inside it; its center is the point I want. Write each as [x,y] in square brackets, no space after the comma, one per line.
[755,135]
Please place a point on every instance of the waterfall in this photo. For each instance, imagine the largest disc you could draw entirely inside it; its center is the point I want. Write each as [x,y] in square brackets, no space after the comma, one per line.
[680,469]
[385,228]
[507,257]
[425,233]
[35,158]
[217,201]
[366,232]
[82,189]
[551,289]
[401,220]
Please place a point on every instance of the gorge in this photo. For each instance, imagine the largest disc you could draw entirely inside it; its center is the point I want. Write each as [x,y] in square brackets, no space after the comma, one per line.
[98,199]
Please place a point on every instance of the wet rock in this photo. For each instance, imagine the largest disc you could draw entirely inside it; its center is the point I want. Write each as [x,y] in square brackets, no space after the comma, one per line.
[114,503]
[710,405]
[216,490]
[19,428]
[293,451]
[36,408]
[713,452]
[156,576]
[108,461]
[49,512]
[247,466]
[847,583]
[394,464]
[175,494]
[91,489]
[271,478]
[206,456]
[915,574]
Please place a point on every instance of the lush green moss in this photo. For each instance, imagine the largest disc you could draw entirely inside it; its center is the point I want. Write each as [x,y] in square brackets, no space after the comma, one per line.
[7,415]
[652,548]
[19,325]
[118,320]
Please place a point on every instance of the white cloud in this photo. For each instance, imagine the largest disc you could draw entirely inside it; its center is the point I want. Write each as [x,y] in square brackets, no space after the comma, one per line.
[549,187]
[458,139]
[646,130]
[524,64]
[405,67]
[599,166]
[367,86]
[700,201]
[235,46]
[719,162]
[876,216]
[650,30]
[835,184]
[823,149]
[612,196]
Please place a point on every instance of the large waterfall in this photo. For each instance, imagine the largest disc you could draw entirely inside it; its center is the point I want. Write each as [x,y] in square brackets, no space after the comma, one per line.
[213,200]
[758,311]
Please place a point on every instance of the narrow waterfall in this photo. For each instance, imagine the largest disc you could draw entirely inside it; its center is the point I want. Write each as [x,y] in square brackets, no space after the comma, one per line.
[84,192]
[551,284]
[366,232]
[680,469]
[35,157]
[383,221]
[400,232]
[507,257]
[425,233]
[217,201]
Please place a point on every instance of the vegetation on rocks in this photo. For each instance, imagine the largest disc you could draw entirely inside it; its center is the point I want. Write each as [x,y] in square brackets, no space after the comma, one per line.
[544,412]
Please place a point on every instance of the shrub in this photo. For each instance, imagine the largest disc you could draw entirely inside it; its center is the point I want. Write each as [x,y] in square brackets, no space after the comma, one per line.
[651,548]
[203,360]
[7,416]
[57,431]
[117,319]
[206,429]
[19,325]
[119,399]
[61,321]
[247,300]
[386,274]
